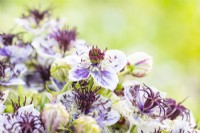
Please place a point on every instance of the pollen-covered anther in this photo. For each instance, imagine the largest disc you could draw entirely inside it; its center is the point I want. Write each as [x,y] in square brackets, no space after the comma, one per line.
[96,55]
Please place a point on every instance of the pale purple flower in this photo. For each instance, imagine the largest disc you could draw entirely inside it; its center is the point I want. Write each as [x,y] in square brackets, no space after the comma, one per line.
[146,100]
[58,44]
[85,101]
[103,66]
[38,21]
[25,120]
[16,53]
[10,74]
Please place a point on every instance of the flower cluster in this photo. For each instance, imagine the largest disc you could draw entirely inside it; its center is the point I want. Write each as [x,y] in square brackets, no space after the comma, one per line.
[56,82]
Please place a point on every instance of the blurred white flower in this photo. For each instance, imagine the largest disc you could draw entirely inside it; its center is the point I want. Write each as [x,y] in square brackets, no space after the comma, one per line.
[140,64]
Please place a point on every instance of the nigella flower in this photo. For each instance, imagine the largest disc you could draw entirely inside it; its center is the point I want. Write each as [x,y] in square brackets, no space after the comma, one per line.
[179,117]
[16,53]
[147,100]
[25,120]
[58,44]
[3,96]
[103,66]
[9,73]
[38,21]
[86,101]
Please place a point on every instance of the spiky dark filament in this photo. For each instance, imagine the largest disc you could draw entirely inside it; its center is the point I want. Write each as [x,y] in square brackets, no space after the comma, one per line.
[64,37]
[152,100]
[176,109]
[17,105]
[85,96]
[26,122]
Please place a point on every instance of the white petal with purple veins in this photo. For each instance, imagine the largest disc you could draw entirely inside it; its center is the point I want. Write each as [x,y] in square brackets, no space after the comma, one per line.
[115,59]
[129,90]
[79,73]
[106,78]
[109,119]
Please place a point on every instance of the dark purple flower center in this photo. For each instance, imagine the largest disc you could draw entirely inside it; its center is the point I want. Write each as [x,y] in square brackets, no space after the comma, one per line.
[85,96]
[37,14]
[64,38]
[96,55]
[174,110]
[27,122]
[152,100]
[44,72]
[7,39]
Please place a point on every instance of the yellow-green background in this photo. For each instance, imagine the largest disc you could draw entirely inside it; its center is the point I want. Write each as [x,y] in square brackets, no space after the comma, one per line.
[169,30]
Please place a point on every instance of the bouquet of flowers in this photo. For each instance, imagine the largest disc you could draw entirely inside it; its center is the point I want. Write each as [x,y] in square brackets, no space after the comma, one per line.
[51,81]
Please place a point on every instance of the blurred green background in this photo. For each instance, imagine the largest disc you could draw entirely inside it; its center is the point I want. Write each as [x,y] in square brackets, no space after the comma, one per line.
[169,30]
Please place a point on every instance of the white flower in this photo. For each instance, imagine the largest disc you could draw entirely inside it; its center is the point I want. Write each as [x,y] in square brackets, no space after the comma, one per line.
[38,22]
[25,119]
[140,63]
[103,66]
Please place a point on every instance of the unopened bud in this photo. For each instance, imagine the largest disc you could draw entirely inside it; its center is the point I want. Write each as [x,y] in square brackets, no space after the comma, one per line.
[86,124]
[54,116]
[140,64]
[59,70]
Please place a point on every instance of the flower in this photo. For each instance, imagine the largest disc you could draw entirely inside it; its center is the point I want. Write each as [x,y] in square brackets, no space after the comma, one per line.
[145,100]
[20,55]
[54,116]
[3,96]
[86,124]
[9,73]
[140,64]
[64,38]
[25,120]
[38,21]
[86,101]
[59,43]
[103,66]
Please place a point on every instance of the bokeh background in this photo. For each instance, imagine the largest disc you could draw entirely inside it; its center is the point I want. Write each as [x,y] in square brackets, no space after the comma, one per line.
[169,30]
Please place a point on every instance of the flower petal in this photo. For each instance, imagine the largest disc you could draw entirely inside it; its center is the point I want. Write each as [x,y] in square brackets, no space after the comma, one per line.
[109,119]
[78,73]
[2,108]
[106,78]
[115,59]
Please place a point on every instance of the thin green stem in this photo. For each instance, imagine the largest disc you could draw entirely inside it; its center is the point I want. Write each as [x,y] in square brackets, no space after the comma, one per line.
[65,88]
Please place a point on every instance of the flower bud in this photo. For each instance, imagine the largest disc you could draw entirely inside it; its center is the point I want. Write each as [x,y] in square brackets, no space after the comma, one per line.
[140,64]
[59,70]
[54,116]
[86,124]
